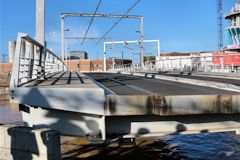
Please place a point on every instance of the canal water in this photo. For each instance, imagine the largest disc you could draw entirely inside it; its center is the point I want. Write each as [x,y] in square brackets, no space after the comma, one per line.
[9,114]
[210,146]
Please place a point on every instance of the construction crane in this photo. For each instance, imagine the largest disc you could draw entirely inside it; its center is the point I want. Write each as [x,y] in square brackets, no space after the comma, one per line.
[220,24]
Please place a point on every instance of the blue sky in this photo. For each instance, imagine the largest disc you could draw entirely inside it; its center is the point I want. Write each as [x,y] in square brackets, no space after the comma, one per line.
[181,25]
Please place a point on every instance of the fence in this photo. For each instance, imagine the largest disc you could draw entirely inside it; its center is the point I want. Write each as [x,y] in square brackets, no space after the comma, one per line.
[33,61]
[216,62]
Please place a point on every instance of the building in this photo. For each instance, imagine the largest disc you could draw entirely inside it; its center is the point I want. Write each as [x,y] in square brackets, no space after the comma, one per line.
[214,61]
[233,31]
[94,65]
[175,61]
[226,60]
[5,68]
[84,65]
[77,55]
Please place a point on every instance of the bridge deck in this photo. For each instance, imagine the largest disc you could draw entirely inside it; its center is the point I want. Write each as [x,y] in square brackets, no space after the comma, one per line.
[228,78]
[129,95]
[135,85]
[68,91]
[63,80]
[207,78]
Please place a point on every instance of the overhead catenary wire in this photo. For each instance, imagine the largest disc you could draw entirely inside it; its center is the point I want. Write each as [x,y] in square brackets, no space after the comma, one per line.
[100,1]
[116,23]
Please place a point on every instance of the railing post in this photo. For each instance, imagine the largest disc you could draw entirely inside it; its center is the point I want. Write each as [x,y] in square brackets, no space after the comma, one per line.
[31,61]
[40,63]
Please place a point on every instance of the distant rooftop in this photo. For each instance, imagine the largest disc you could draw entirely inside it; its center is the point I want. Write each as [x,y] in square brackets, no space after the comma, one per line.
[176,54]
[234,11]
[77,55]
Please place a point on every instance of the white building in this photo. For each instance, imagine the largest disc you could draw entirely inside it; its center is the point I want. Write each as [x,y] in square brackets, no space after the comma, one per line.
[184,61]
[174,61]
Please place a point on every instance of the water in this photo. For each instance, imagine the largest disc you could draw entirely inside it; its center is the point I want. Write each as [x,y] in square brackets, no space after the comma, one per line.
[9,114]
[212,146]
[205,146]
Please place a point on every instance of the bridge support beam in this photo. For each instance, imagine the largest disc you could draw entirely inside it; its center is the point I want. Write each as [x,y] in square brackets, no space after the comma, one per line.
[78,124]
[153,126]
[69,123]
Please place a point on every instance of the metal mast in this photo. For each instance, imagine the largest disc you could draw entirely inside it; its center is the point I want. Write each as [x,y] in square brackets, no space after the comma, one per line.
[220,24]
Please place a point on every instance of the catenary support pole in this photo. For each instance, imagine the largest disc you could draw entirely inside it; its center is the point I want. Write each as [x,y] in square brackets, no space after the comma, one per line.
[40,16]
[62,37]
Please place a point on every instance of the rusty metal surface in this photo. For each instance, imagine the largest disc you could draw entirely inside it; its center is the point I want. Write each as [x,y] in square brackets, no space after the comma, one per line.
[118,105]
[143,96]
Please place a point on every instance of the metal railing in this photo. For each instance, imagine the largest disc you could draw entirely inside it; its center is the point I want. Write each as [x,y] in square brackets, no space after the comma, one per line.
[207,63]
[189,63]
[130,67]
[33,61]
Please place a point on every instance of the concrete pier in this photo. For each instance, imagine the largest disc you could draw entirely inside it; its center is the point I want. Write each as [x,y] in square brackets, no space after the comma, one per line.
[24,143]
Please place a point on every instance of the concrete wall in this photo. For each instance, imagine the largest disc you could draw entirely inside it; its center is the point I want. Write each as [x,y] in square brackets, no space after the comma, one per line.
[24,143]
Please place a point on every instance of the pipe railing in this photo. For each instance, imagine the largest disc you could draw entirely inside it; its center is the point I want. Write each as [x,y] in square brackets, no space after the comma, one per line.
[189,63]
[33,61]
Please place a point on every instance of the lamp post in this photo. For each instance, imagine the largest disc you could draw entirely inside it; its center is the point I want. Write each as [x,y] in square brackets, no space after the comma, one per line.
[141,40]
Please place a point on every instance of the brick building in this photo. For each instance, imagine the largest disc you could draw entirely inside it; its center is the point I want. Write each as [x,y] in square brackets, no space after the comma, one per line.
[84,65]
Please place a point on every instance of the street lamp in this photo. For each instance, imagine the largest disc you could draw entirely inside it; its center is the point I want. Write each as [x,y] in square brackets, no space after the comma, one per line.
[141,40]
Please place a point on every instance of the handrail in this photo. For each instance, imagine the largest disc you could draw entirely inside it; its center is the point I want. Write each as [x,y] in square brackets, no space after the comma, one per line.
[195,62]
[33,61]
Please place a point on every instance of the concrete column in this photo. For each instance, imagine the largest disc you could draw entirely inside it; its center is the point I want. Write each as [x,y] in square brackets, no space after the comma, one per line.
[26,143]
[11,50]
[40,13]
